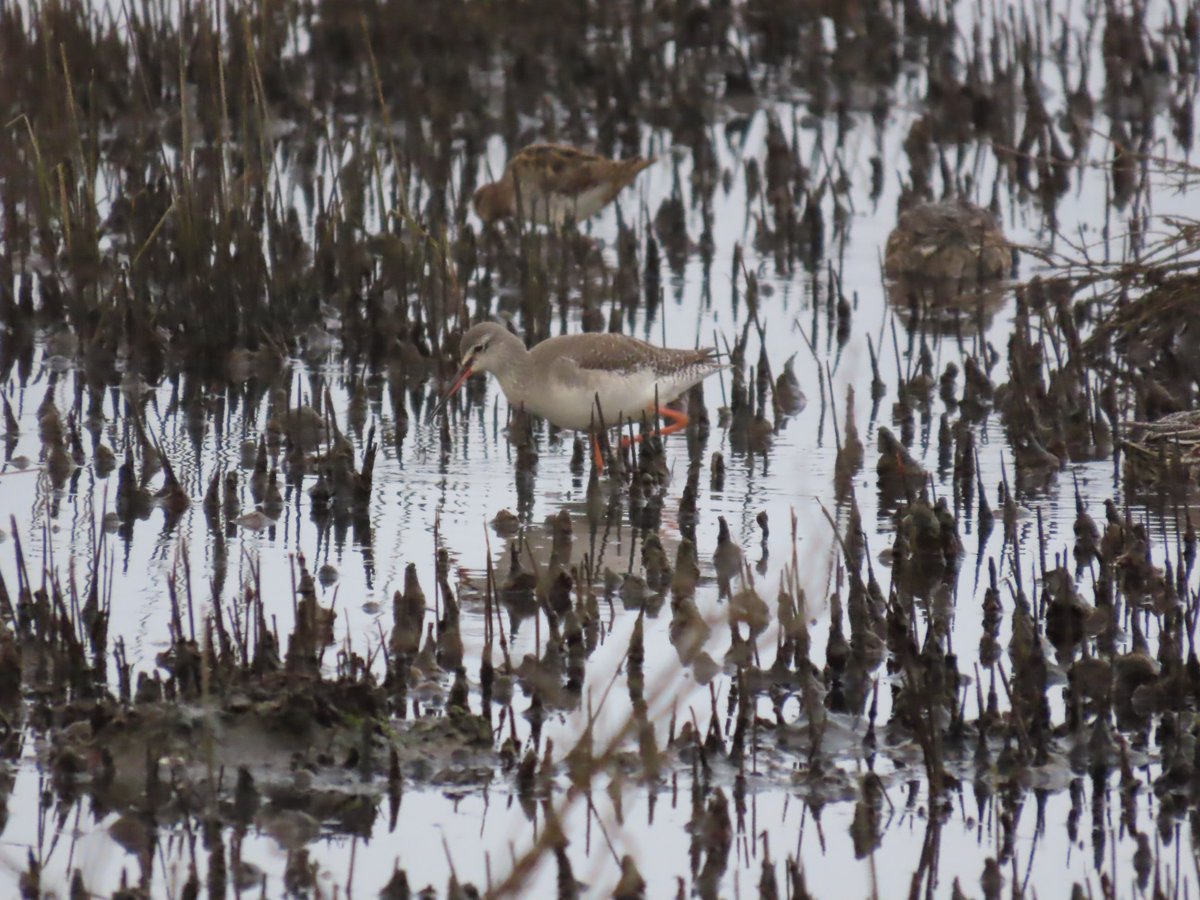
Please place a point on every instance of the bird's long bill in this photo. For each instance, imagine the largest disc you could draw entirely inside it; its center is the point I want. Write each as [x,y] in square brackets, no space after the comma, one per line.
[459,380]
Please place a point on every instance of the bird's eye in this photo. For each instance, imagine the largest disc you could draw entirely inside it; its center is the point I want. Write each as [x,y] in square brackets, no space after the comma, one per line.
[479,348]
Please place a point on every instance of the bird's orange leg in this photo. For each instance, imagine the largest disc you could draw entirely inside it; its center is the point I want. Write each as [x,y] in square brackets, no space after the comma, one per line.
[679,421]
[597,455]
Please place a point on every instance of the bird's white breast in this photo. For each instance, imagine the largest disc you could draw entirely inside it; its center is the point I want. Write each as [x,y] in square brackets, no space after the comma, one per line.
[554,208]
[620,396]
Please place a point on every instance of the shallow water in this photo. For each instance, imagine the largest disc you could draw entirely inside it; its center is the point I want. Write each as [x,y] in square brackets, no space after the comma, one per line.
[421,493]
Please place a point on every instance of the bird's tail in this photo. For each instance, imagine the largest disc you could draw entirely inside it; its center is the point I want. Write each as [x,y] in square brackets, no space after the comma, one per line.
[638,163]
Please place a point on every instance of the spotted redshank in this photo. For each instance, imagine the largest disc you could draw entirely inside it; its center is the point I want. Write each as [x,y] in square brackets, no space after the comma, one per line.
[583,381]
[552,184]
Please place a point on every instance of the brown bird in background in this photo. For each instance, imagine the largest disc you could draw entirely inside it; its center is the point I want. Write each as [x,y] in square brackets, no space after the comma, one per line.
[552,184]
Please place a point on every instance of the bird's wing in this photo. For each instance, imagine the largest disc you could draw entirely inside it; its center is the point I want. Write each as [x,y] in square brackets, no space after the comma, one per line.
[620,353]
[559,169]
